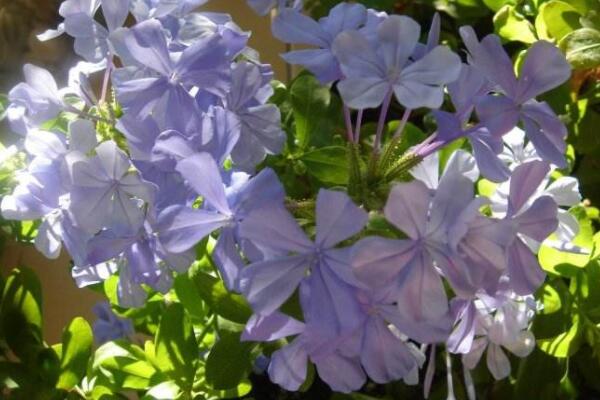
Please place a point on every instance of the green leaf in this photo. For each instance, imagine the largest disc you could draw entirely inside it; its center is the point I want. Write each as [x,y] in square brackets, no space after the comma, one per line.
[21,314]
[486,188]
[447,151]
[110,286]
[328,164]
[538,377]
[3,105]
[465,11]
[176,350]
[124,365]
[496,5]
[187,293]
[512,26]
[563,262]
[310,379]
[582,48]
[550,299]
[77,340]
[591,19]
[241,390]
[565,344]
[47,367]
[596,249]
[556,19]
[228,305]
[228,362]
[163,391]
[591,303]
[316,111]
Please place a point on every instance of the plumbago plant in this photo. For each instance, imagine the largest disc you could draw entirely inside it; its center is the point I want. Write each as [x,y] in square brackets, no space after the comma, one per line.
[241,229]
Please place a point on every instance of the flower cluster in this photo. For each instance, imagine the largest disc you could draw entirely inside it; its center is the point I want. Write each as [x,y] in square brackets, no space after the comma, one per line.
[119,203]
[130,185]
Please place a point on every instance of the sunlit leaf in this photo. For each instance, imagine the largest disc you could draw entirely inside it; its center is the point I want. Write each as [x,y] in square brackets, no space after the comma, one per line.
[176,350]
[228,362]
[565,344]
[224,303]
[76,349]
[513,26]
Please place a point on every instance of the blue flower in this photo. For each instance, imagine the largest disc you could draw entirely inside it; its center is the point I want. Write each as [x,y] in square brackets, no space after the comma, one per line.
[372,74]
[291,26]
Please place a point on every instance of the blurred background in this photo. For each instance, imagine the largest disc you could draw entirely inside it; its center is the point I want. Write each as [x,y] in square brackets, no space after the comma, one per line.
[20,22]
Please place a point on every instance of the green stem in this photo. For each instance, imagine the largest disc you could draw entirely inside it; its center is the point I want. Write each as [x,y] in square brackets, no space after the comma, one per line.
[389,153]
[373,167]
[302,208]
[402,166]
[205,329]
[355,178]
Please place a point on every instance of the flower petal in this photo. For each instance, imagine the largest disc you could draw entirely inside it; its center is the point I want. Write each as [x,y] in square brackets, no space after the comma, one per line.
[338,218]
[203,174]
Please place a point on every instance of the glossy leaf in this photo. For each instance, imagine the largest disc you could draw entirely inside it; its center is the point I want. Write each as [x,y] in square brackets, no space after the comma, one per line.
[187,293]
[557,19]
[21,314]
[176,351]
[562,262]
[163,391]
[124,365]
[565,344]
[212,290]
[582,48]
[512,26]
[77,340]
[241,390]
[316,111]
[228,362]
[550,299]
[328,164]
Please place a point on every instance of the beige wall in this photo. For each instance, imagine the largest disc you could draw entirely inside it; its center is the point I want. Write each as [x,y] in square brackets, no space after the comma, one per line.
[62,300]
[261,39]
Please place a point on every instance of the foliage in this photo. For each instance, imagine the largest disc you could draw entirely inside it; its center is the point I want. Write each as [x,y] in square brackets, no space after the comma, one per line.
[188,343]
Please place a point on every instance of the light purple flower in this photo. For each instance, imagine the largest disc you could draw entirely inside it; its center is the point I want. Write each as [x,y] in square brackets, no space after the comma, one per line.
[205,64]
[444,230]
[43,193]
[291,26]
[181,227]
[218,133]
[470,86]
[530,220]
[371,74]
[91,38]
[338,367]
[104,191]
[34,101]
[373,344]
[564,190]
[384,355]
[147,260]
[494,323]
[544,68]
[108,326]
[268,283]
[147,9]
[261,131]
[484,243]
